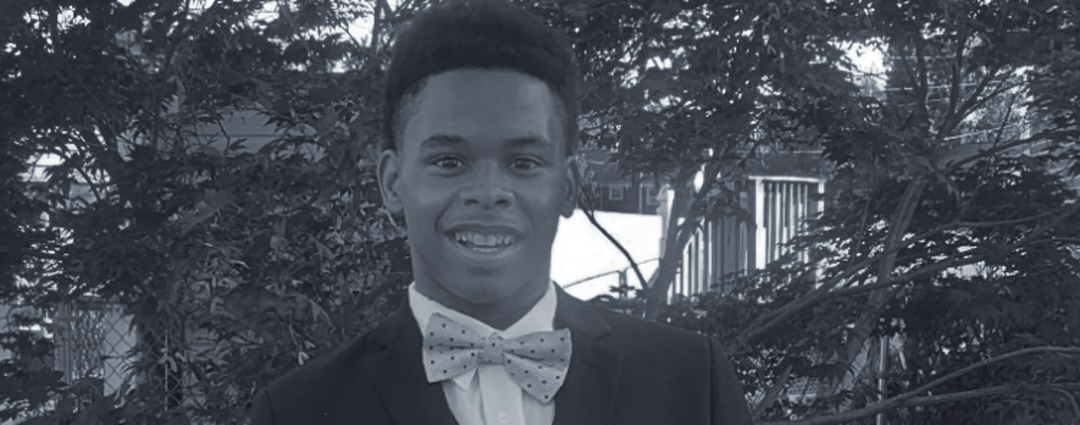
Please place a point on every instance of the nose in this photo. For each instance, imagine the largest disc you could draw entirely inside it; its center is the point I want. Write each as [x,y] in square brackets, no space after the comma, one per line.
[487,189]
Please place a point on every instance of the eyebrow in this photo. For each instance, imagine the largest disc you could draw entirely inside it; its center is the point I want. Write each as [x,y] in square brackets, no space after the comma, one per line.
[532,141]
[438,141]
[441,141]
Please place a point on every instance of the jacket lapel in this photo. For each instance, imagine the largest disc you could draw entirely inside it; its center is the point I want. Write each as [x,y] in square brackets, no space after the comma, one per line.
[398,374]
[588,395]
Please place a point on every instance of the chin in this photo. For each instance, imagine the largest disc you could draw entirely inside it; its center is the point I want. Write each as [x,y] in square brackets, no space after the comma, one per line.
[484,294]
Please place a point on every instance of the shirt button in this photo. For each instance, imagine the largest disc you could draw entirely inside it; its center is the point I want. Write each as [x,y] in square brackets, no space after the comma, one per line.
[503,418]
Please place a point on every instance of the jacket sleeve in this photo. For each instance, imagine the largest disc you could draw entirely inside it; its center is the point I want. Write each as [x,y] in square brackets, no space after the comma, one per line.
[728,399]
[260,412]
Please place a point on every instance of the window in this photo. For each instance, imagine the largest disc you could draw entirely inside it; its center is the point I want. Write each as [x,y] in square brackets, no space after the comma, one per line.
[615,193]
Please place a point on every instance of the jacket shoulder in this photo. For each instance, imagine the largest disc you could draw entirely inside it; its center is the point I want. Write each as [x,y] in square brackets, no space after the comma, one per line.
[626,326]
[324,370]
[694,368]
[316,390]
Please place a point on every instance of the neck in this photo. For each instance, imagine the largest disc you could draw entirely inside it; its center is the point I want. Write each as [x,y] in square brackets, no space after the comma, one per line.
[500,313]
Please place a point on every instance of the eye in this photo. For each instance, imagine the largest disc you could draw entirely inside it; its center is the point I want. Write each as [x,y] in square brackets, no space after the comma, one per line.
[447,162]
[524,164]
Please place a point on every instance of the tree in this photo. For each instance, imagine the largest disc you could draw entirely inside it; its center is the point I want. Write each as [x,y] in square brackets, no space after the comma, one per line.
[235,262]
[238,264]
[681,88]
[948,228]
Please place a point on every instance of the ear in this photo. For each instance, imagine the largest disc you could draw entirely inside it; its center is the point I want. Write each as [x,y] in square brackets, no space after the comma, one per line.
[570,198]
[389,176]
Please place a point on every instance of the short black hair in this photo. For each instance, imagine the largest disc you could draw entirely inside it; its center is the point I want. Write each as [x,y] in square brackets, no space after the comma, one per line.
[483,34]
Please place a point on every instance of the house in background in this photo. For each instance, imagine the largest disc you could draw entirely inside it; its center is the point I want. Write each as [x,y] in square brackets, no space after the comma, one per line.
[779,190]
[615,192]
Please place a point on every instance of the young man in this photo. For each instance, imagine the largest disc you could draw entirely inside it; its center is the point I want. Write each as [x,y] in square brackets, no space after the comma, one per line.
[481,123]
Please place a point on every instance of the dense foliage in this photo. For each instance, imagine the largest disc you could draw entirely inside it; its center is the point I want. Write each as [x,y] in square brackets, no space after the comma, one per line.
[235,262]
[238,259]
[949,234]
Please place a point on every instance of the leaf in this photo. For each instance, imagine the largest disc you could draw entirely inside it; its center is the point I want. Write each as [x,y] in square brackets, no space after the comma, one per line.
[324,252]
[317,311]
[326,124]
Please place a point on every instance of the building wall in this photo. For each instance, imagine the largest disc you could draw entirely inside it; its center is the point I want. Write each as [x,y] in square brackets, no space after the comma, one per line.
[627,197]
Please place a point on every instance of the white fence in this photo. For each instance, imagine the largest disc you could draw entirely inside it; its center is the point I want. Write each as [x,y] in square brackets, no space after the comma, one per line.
[779,204]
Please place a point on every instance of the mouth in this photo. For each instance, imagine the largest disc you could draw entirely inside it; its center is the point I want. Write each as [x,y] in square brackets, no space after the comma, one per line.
[483,242]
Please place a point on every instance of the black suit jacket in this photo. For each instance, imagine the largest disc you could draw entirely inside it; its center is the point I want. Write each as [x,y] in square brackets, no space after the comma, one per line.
[623,371]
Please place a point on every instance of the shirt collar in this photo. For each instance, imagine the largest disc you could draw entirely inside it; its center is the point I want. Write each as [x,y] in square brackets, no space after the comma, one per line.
[540,318]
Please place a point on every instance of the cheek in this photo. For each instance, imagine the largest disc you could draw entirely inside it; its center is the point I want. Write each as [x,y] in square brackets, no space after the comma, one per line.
[416,187]
[420,202]
[545,205]
[422,207]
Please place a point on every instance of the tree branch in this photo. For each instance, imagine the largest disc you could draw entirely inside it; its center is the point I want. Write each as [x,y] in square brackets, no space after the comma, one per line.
[678,235]
[1067,212]
[911,402]
[794,306]
[871,311]
[911,398]
[825,290]
[773,392]
[997,91]
[984,363]
[787,310]
[766,321]
[898,280]
[957,115]
[1072,400]
[957,71]
[590,213]
[986,153]
[376,27]
[1013,222]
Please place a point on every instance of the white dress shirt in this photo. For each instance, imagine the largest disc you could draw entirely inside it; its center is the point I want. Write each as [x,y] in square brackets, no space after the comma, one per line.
[487,395]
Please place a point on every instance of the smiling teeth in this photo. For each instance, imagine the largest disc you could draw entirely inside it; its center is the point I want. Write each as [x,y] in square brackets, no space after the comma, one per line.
[484,241]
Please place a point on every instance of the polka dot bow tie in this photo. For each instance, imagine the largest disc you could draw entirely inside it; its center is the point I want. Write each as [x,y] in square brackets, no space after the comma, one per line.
[537,362]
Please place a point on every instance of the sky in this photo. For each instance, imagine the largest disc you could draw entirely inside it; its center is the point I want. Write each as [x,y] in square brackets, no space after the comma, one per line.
[580,251]
[869,61]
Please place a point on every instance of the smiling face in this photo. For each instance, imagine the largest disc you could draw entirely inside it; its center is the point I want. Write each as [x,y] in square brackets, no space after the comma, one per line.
[482,177]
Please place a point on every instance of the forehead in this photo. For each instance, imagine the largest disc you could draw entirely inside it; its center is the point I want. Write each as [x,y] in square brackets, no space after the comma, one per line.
[484,108]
